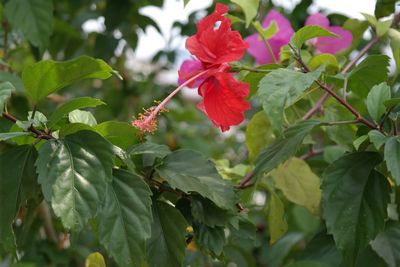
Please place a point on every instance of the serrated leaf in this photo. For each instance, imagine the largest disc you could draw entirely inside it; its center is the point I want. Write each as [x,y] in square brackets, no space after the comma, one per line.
[254,78]
[371,71]
[76,103]
[376,99]
[6,88]
[82,116]
[17,183]
[166,247]
[281,89]
[258,134]
[277,224]
[125,218]
[95,260]
[34,18]
[250,9]
[284,148]
[308,32]
[387,244]
[392,157]
[298,183]
[211,238]
[73,173]
[48,76]
[354,201]
[190,171]
[118,133]
[377,138]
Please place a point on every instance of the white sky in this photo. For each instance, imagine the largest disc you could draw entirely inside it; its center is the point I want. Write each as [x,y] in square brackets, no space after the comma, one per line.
[152,41]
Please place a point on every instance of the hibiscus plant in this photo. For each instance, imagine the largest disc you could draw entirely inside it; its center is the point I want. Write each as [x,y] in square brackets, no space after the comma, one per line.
[289,157]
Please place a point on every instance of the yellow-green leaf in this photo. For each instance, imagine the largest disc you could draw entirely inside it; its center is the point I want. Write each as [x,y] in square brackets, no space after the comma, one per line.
[276,218]
[258,134]
[250,8]
[95,260]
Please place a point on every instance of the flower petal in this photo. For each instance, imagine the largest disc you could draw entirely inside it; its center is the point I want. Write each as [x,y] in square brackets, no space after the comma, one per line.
[318,19]
[215,44]
[332,45]
[224,100]
[188,69]
[257,47]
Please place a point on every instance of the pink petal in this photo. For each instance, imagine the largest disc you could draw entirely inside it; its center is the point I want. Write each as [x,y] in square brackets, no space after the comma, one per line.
[318,19]
[188,69]
[257,47]
[332,45]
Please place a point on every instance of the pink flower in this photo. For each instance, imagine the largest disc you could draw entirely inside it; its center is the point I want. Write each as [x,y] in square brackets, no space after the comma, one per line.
[258,48]
[330,45]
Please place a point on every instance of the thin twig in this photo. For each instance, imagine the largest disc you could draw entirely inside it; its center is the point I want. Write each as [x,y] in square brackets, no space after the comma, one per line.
[311,153]
[44,212]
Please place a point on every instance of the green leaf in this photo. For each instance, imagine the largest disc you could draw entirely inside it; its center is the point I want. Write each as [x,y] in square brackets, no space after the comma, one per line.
[149,148]
[371,71]
[166,247]
[125,218]
[359,141]
[118,133]
[6,136]
[354,201]
[6,88]
[82,116]
[14,79]
[268,32]
[34,18]
[284,148]
[73,173]
[206,212]
[383,27]
[76,103]
[308,32]
[277,224]
[298,183]
[307,264]
[281,89]
[185,2]
[371,19]
[254,78]
[190,171]
[392,157]
[250,9]
[384,8]
[392,102]
[95,260]
[211,238]
[72,128]
[377,138]
[394,36]
[376,99]
[48,76]
[17,183]
[387,244]
[258,134]
[328,60]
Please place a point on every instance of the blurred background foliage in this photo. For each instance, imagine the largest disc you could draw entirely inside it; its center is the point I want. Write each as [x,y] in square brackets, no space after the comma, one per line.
[184,126]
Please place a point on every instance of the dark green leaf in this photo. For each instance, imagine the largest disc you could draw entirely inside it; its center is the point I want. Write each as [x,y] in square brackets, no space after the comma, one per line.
[17,183]
[387,244]
[283,148]
[149,148]
[118,133]
[392,157]
[211,238]
[384,8]
[166,247]
[377,138]
[354,201]
[371,71]
[190,171]
[376,99]
[281,89]
[77,103]
[6,88]
[73,173]
[308,32]
[206,212]
[46,77]
[125,219]
[6,136]
[307,264]
[34,18]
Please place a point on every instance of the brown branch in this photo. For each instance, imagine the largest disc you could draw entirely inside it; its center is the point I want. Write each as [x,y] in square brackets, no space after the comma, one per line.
[311,153]
[39,134]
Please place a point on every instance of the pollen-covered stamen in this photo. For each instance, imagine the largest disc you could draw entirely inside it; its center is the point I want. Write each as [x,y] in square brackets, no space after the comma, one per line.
[147,121]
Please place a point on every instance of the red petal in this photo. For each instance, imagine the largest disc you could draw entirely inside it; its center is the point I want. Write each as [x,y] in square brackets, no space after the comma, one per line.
[216,44]
[224,99]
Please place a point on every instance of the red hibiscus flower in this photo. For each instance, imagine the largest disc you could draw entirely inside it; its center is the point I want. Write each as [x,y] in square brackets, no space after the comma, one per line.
[214,46]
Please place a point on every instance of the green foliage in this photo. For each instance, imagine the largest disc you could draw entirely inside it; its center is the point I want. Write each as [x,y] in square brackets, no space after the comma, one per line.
[48,76]
[258,134]
[281,89]
[392,154]
[6,88]
[276,218]
[250,8]
[354,201]
[125,218]
[34,18]
[384,8]
[386,244]
[66,167]
[308,32]
[376,99]
[95,260]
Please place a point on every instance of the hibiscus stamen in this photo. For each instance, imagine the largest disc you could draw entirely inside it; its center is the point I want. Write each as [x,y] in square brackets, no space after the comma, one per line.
[147,121]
